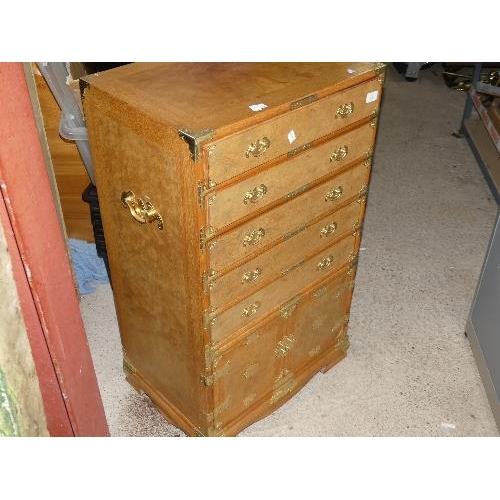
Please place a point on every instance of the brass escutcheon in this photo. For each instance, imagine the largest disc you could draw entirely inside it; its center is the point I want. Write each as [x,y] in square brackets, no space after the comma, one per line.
[325,263]
[252,275]
[344,110]
[334,194]
[250,310]
[142,210]
[254,237]
[284,346]
[287,309]
[255,194]
[251,370]
[340,153]
[257,148]
[328,230]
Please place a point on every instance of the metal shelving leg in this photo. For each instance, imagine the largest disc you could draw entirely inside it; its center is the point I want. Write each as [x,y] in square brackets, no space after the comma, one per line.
[468,103]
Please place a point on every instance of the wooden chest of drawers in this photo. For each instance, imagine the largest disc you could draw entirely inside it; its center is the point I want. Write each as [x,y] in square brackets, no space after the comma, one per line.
[232,198]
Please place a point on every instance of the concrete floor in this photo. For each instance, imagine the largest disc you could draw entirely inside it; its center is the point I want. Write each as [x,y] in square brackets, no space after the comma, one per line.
[410,369]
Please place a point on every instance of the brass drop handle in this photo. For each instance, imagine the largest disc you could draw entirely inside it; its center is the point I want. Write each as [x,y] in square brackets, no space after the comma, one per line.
[328,230]
[257,148]
[344,110]
[254,237]
[334,194]
[325,263]
[252,275]
[250,310]
[141,209]
[255,194]
[340,153]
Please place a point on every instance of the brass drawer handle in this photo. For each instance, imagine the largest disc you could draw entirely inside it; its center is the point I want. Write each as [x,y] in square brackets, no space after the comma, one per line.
[257,148]
[344,110]
[328,230]
[250,310]
[334,194]
[255,194]
[141,209]
[252,275]
[340,153]
[254,237]
[325,263]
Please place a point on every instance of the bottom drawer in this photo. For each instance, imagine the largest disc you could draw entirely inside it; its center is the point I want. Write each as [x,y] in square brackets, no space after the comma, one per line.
[294,279]
[276,356]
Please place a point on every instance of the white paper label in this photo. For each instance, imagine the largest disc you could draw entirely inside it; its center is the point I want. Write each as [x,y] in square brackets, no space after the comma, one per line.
[291,136]
[258,107]
[371,96]
[448,425]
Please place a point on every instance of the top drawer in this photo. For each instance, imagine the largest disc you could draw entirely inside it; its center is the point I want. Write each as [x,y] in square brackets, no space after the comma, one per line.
[244,150]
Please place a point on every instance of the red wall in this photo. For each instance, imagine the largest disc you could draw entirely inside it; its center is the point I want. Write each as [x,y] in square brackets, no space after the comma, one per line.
[42,270]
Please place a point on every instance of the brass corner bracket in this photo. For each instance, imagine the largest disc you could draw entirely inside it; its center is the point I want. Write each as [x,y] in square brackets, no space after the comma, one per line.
[194,140]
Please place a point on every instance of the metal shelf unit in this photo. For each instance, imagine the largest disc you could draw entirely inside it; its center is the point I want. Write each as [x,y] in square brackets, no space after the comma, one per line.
[481,134]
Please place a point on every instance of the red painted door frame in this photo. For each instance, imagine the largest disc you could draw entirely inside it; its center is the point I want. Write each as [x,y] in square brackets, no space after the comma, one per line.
[42,270]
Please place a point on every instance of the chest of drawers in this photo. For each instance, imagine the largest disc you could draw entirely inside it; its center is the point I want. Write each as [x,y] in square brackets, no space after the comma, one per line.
[232,198]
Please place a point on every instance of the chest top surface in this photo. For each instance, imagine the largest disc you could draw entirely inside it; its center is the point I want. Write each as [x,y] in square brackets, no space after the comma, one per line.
[203,96]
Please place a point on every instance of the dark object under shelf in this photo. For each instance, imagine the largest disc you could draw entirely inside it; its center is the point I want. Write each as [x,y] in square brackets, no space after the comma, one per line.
[89,196]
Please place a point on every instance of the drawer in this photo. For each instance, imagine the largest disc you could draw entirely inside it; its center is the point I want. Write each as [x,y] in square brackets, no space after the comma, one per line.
[282,221]
[261,302]
[254,193]
[242,151]
[281,258]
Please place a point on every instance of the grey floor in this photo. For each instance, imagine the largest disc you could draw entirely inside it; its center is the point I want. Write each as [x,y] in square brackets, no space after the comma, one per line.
[410,370]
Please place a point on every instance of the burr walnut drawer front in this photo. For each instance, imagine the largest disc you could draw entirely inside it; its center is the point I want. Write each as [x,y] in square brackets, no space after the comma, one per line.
[225,322]
[283,257]
[288,177]
[242,151]
[283,220]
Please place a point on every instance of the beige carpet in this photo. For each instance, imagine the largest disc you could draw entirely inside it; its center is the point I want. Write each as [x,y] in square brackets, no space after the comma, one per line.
[410,370]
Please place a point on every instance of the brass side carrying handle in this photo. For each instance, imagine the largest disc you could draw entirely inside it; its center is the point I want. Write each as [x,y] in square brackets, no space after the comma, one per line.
[141,209]
[344,110]
[334,194]
[257,148]
[340,153]
[255,194]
